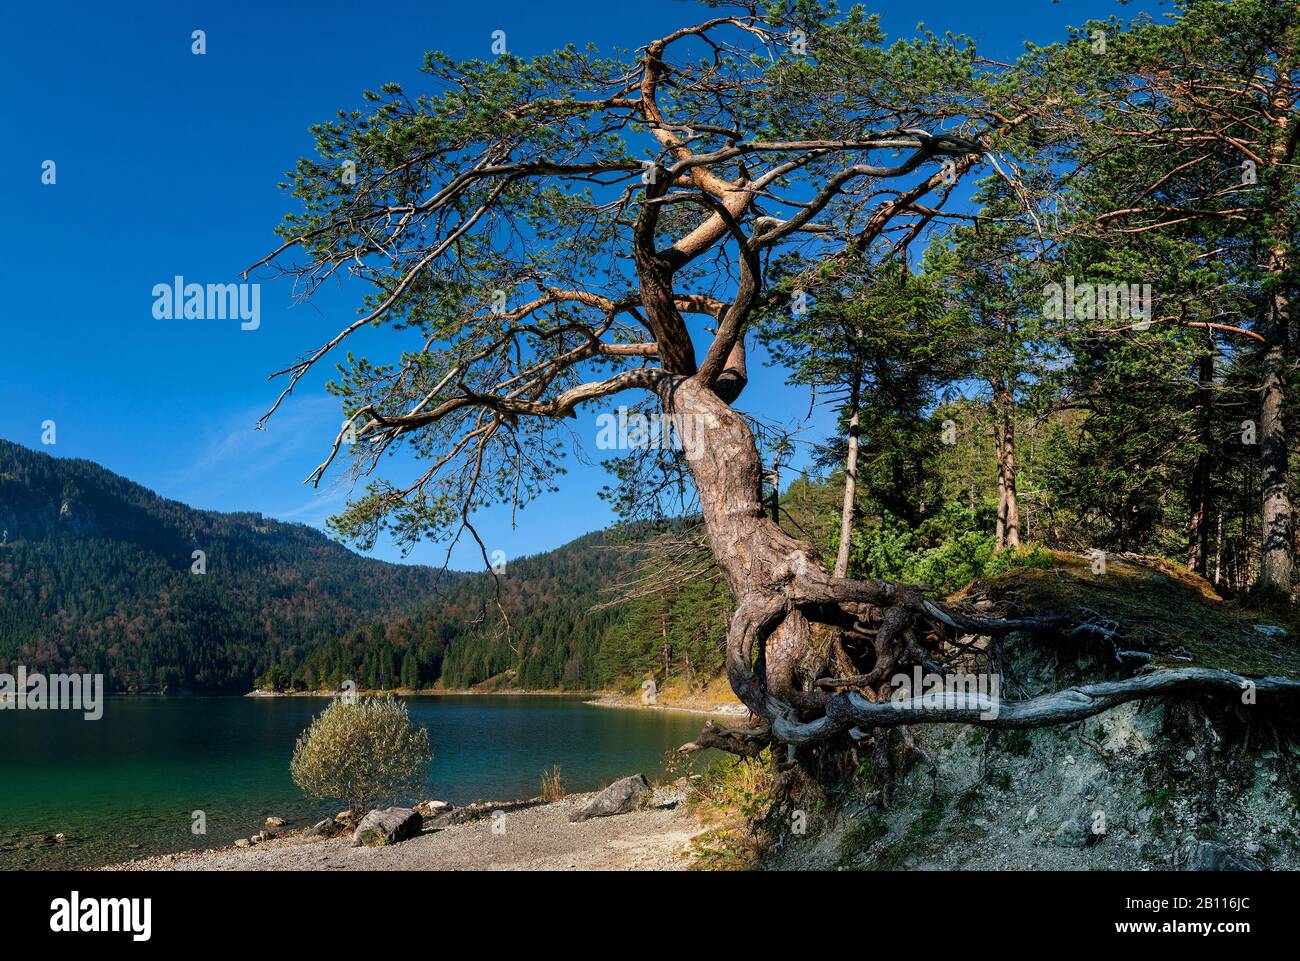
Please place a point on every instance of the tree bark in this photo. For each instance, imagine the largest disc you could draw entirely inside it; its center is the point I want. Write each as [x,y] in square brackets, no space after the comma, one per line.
[1198,526]
[850,480]
[763,565]
[1004,442]
[1275,552]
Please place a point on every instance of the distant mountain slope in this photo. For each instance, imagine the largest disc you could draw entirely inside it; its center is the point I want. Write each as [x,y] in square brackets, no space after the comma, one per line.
[549,640]
[95,574]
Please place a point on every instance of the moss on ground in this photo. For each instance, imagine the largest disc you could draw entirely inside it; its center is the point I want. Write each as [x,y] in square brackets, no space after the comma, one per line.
[1159,608]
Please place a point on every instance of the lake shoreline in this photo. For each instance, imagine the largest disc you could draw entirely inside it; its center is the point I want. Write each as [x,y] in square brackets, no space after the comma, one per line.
[536,837]
[703,708]
[126,787]
[408,692]
[594,698]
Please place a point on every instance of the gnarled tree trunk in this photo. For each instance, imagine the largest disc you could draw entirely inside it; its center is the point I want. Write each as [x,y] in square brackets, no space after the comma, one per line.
[760,562]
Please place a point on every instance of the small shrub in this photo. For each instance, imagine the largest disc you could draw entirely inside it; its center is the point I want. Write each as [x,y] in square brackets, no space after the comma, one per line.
[733,794]
[552,784]
[1157,798]
[362,753]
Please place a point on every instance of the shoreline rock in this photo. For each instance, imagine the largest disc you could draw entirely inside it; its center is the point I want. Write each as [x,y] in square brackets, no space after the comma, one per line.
[623,796]
[388,826]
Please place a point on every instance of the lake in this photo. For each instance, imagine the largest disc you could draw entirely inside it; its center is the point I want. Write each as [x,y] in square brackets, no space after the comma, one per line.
[127,785]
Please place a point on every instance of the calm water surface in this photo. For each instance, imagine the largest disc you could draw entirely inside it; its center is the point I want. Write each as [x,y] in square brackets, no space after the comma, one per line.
[127,785]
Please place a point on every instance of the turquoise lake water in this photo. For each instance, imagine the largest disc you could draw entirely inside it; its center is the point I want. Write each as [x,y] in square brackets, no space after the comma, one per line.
[127,785]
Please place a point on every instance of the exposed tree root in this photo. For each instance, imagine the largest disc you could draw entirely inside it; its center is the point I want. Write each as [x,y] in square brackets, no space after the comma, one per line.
[743,741]
[1092,743]
[896,648]
[861,702]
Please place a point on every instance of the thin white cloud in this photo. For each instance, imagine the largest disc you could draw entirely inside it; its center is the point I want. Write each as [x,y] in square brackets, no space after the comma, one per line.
[237,453]
[315,510]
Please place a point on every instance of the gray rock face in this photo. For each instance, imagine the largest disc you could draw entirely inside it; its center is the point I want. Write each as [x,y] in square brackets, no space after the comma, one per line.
[387,826]
[619,798]
[1213,856]
[1071,835]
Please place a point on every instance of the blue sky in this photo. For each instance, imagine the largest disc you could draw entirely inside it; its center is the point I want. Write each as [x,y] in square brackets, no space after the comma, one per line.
[167,164]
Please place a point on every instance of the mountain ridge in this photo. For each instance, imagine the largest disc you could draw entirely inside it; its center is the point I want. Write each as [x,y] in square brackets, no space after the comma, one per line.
[98,574]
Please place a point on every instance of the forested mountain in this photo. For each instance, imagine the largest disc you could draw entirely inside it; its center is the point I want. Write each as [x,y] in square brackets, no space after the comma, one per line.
[98,574]
[549,637]
[552,621]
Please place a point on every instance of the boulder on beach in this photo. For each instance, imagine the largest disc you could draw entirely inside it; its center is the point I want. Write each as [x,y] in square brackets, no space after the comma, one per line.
[387,826]
[622,796]
[323,829]
[274,822]
[430,808]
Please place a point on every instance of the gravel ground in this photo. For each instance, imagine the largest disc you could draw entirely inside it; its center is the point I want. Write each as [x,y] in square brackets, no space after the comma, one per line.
[537,838]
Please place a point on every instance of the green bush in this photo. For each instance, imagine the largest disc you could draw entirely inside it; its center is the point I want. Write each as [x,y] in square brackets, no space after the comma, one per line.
[362,752]
[946,551]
